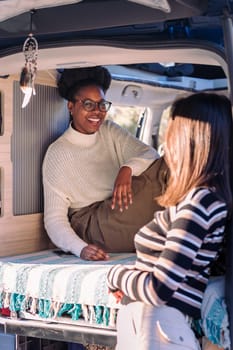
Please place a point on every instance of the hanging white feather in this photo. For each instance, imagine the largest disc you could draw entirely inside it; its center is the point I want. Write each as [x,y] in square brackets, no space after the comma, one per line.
[28,73]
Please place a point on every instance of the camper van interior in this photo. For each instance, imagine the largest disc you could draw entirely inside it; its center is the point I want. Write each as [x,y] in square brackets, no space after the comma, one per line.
[156,51]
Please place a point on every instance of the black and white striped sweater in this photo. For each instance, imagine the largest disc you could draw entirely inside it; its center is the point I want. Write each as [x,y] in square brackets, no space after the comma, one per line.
[174,253]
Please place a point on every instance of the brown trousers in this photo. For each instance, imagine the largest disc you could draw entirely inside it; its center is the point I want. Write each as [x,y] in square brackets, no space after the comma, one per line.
[113,230]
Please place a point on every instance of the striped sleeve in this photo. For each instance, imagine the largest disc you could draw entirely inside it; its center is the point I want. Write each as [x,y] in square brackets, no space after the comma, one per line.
[173,250]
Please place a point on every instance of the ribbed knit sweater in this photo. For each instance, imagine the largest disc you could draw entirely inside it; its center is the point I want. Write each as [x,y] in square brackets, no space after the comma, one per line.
[174,253]
[81,169]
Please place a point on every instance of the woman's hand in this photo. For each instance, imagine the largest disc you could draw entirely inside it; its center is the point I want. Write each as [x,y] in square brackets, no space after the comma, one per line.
[122,192]
[92,252]
[118,295]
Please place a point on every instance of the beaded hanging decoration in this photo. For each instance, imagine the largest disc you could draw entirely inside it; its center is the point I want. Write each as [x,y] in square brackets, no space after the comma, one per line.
[28,73]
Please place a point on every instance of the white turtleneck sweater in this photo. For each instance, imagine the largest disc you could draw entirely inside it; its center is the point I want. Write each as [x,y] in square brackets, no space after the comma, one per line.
[80,169]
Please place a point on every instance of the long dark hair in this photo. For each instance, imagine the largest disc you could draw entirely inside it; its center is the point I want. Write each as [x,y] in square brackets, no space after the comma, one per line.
[198,146]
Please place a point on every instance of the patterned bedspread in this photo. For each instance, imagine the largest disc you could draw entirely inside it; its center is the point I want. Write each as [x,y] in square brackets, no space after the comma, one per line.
[53,284]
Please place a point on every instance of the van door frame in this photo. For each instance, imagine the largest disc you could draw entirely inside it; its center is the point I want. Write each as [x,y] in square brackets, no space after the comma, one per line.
[228,44]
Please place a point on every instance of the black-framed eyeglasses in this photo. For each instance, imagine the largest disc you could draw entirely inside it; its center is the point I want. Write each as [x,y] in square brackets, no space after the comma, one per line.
[90,105]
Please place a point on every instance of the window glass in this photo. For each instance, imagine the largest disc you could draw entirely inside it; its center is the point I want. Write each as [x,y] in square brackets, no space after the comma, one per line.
[126,117]
[162,128]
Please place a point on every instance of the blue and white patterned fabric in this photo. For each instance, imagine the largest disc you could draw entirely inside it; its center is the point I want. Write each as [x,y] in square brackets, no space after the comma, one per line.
[53,284]
[214,317]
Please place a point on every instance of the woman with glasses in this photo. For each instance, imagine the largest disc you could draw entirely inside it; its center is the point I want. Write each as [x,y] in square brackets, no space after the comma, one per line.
[176,251]
[99,180]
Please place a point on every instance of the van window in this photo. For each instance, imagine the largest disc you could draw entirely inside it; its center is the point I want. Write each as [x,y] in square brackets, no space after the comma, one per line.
[126,117]
[162,128]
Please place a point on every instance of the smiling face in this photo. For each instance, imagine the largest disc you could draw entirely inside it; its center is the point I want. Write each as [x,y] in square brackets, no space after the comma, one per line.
[84,121]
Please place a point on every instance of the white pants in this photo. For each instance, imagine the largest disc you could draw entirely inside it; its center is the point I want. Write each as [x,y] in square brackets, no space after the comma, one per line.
[145,327]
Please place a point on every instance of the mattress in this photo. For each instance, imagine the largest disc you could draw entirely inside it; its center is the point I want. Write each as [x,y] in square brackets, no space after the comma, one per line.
[53,285]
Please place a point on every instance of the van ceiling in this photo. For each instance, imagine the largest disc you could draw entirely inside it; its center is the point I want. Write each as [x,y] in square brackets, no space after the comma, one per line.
[89,14]
[69,34]
[105,18]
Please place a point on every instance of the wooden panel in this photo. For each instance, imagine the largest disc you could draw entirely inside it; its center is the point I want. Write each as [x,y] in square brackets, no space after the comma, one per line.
[22,234]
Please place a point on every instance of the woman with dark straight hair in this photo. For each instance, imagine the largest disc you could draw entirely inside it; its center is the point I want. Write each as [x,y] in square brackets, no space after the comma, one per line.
[202,146]
[164,290]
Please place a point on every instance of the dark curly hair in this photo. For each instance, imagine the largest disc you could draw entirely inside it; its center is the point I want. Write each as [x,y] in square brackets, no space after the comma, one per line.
[71,80]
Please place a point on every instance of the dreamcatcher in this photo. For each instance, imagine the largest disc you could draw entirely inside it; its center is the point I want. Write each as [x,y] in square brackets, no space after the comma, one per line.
[28,73]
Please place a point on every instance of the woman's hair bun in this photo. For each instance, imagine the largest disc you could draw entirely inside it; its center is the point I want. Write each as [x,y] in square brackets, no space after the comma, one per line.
[71,79]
